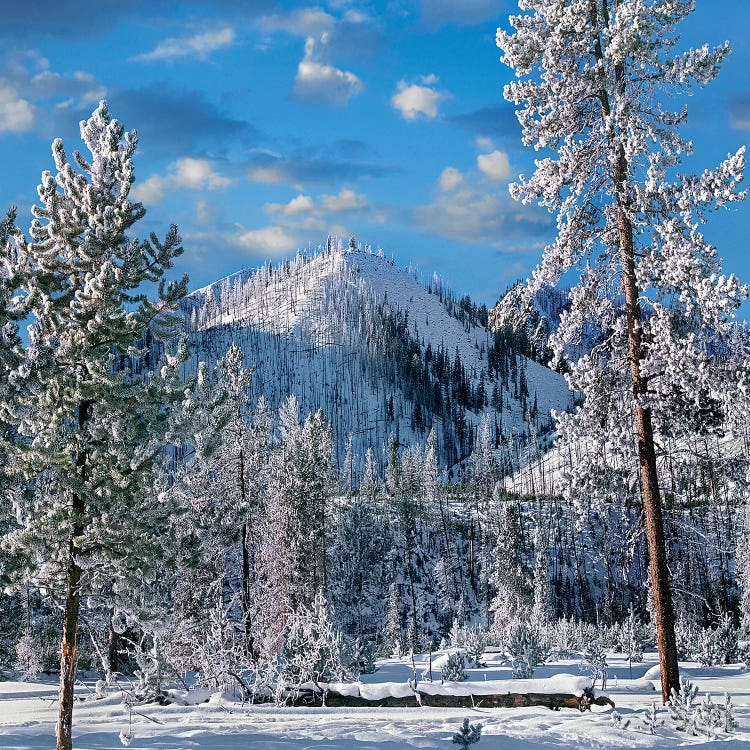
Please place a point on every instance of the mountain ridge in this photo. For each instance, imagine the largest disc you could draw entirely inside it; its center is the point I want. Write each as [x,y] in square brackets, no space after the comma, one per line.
[349,332]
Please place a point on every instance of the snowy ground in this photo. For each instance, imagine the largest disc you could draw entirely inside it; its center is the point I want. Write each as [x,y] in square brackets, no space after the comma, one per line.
[27,718]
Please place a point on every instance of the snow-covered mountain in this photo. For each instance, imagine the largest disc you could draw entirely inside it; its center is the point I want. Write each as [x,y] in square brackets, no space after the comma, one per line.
[352,334]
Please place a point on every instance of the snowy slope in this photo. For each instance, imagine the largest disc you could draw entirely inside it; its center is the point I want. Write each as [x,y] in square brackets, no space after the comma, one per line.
[326,328]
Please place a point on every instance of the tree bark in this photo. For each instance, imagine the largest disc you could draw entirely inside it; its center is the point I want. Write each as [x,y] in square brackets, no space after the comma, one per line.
[666,642]
[72,603]
[665,636]
[68,653]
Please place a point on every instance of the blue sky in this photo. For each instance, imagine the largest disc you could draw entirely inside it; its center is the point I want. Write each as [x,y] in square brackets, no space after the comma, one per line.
[266,125]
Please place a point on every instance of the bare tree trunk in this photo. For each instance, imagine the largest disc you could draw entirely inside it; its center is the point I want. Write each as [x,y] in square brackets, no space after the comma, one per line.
[72,603]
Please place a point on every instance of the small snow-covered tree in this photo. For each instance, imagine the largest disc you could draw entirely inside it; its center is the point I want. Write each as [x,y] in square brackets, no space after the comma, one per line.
[468,735]
[525,650]
[454,668]
[95,425]
[28,658]
[593,81]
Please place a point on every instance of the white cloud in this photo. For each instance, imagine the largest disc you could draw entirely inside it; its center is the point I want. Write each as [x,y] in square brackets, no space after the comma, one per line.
[188,173]
[344,200]
[450,178]
[472,214]
[416,99]
[299,22]
[299,205]
[197,173]
[319,81]
[203,212]
[197,45]
[429,80]
[28,83]
[80,88]
[267,175]
[494,165]
[16,114]
[269,240]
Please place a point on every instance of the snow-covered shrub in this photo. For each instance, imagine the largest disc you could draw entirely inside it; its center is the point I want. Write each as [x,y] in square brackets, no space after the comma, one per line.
[632,640]
[467,735]
[457,635]
[148,674]
[563,639]
[101,689]
[362,657]
[595,663]
[475,641]
[719,645]
[261,682]
[702,717]
[525,650]
[618,722]
[710,716]
[650,720]
[727,637]
[28,658]
[729,722]
[216,652]
[708,652]
[683,707]
[454,666]
[314,649]
[687,636]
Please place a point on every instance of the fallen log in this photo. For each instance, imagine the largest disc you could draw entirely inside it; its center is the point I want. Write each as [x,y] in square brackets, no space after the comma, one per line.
[555,701]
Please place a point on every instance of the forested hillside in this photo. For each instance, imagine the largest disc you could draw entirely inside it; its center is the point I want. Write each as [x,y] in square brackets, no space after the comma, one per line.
[348,332]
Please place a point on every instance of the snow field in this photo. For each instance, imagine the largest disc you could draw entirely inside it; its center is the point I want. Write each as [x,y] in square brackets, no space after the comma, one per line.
[28,713]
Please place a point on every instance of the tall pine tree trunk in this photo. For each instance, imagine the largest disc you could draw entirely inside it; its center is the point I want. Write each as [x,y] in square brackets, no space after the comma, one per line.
[72,603]
[665,635]
[68,652]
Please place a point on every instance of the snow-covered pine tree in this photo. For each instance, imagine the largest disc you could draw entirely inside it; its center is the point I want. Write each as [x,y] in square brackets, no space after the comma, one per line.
[467,735]
[293,533]
[219,488]
[13,309]
[357,559]
[512,602]
[594,77]
[242,470]
[543,610]
[439,515]
[95,425]
[369,484]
